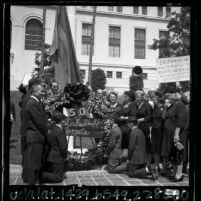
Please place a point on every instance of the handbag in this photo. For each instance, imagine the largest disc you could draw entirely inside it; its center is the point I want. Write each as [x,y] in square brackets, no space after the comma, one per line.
[179,146]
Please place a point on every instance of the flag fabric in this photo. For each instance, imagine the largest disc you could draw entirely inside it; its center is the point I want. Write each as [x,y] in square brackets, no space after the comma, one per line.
[63,51]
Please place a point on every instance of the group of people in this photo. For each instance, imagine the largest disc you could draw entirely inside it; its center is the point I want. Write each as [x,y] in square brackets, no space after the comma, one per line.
[148,130]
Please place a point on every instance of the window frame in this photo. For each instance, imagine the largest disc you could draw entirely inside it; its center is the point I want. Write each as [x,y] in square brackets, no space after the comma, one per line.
[120,74]
[121,10]
[160,12]
[109,72]
[27,47]
[168,11]
[144,7]
[137,10]
[137,46]
[85,45]
[114,49]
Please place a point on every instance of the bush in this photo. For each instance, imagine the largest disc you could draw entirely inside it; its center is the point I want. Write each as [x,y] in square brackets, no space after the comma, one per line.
[98,79]
[136,83]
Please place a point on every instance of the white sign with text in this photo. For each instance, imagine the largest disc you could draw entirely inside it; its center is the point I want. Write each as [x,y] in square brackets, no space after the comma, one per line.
[173,69]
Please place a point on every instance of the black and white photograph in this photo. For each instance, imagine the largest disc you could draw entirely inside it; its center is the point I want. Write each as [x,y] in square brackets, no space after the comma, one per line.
[100,96]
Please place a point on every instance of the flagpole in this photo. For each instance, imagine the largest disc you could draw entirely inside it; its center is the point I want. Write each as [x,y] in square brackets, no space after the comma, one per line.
[43,46]
[91,46]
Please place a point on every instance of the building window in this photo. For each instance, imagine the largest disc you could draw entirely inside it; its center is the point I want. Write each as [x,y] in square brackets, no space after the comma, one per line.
[163,35]
[82,73]
[160,11]
[168,12]
[33,35]
[118,74]
[114,41]
[136,9]
[119,8]
[144,76]
[111,8]
[109,74]
[144,10]
[83,6]
[140,43]
[86,38]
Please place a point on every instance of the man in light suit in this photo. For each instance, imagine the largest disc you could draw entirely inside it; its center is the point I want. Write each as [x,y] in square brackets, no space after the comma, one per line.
[136,151]
[36,133]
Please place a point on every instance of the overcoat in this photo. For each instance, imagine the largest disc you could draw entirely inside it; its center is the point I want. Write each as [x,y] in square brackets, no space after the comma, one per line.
[114,150]
[137,147]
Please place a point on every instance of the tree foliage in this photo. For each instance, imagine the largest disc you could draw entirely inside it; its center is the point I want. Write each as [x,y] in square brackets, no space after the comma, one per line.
[98,80]
[136,83]
[176,44]
[49,68]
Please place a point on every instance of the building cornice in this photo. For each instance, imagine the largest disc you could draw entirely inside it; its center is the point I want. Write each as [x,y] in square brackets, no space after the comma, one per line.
[104,65]
[86,11]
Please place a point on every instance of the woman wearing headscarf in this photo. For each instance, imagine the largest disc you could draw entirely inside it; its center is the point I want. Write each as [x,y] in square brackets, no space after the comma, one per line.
[174,136]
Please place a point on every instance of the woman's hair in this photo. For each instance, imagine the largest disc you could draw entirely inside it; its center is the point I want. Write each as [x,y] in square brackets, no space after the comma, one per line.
[23,88]
[57,116]
[130,94]
[113,94]
[139,92]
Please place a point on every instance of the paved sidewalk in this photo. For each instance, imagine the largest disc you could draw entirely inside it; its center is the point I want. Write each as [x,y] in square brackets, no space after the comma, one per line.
[99,178]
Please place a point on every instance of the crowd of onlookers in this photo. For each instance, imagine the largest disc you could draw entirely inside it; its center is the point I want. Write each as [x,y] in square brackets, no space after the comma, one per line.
[149,134]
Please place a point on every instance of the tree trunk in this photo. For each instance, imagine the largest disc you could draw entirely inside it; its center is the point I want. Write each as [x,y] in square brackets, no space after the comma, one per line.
[43,46]
[91,46]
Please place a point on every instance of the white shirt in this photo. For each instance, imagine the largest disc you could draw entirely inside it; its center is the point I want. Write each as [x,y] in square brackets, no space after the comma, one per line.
[35,98]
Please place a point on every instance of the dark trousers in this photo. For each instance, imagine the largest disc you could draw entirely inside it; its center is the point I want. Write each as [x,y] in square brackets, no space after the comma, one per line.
[34,162]
[137,171]
[24,158]
[53,173]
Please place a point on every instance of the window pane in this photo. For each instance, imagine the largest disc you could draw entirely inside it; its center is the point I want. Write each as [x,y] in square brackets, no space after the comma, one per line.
[140,43]
[110,8]
[33,35]
[136,9]
[109,74]
[119,8]
[118,74]
[160,11]
[144,10]
[168,12]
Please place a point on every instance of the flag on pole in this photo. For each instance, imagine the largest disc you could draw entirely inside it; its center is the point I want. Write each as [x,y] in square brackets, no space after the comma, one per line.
[63,51]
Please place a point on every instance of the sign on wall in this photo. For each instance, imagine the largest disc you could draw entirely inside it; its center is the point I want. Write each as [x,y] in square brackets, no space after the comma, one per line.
[173,69]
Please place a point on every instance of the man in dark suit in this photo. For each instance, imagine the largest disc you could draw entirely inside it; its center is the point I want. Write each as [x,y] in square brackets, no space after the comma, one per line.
[114,151]
[36,133]
[25,90]
[136,151]
[57,152]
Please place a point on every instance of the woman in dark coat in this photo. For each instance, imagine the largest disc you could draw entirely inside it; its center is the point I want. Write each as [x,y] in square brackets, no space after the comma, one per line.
[144,111]
[175,116]
[127,110]
[156,135]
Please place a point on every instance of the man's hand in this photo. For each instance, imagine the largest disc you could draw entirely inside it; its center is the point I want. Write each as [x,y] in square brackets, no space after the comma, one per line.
[140,120]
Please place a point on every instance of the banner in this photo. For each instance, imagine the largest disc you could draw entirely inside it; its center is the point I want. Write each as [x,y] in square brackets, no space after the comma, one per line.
[173,69]
[63,51]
